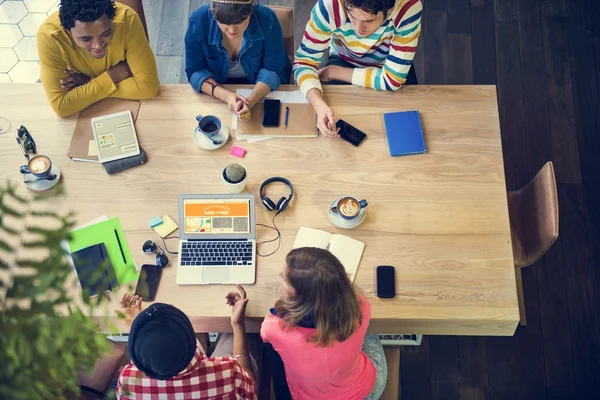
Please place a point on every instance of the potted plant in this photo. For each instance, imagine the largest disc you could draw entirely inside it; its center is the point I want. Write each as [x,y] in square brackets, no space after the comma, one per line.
[234,177]
[45,337]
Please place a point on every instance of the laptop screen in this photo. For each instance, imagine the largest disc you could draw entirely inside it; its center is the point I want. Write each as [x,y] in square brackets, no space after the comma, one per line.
[216,216]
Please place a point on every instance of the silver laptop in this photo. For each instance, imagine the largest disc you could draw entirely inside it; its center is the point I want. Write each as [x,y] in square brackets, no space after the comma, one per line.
[218,239]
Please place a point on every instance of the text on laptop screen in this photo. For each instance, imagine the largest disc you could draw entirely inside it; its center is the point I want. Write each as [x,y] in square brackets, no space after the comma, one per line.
[216,216]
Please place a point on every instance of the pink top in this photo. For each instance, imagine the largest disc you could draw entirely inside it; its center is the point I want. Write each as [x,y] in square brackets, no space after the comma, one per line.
[340,371]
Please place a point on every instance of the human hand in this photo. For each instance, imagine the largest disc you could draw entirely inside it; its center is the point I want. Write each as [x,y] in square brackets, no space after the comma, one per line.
[237,103]
[73,79]
[327,74]
[238,302]
[242,107]
[326,120]
[131,306]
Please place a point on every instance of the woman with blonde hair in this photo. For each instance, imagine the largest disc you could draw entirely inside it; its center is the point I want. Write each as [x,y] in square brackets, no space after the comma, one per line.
[235,41]
[319,329]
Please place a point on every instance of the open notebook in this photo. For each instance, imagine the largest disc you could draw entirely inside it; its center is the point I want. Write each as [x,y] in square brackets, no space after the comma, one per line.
[347,250]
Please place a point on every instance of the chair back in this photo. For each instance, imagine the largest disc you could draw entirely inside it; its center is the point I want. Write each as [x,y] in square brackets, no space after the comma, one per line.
[285,15]
[534,217]
[138,7]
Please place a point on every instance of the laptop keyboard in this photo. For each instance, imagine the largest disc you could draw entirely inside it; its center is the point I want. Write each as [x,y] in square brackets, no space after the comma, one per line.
[207,253]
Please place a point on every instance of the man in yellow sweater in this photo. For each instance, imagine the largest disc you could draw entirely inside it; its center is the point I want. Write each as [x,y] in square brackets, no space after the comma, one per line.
[93,49]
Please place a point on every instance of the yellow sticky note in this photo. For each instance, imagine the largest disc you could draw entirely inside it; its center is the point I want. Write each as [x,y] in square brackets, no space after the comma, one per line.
[166,228]
[92,149]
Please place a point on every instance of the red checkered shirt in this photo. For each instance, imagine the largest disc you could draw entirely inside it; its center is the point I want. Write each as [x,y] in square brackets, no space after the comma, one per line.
[204,378]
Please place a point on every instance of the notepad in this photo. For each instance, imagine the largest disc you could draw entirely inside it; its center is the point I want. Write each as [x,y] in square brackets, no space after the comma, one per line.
[95,270]
[404,133]
[347,250]
[167,227]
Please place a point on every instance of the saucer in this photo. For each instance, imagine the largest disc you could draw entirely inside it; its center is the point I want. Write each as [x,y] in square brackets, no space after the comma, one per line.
[206,144]
[344,223]
[43,184]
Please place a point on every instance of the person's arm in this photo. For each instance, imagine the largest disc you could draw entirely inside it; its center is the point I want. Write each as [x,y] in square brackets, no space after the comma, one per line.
[402,51]
[137,75]
[238,302]
[52,71]
[276,67]
[314,43]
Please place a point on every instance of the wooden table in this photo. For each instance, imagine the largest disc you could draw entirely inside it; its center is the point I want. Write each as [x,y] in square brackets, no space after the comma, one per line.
[440,218]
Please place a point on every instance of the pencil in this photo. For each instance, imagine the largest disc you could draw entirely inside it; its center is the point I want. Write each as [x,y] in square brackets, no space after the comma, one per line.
[287,114]
[120,247]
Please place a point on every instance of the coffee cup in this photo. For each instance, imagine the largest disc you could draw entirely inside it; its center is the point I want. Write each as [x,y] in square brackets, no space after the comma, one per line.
[208,125]
[39,166]
[349,207]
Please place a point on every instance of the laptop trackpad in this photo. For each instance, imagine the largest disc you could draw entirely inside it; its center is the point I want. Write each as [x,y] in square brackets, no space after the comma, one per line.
[216,274]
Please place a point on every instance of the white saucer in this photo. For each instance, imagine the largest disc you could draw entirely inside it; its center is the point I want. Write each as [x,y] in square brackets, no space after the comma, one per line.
[207,144]
[42,184]
[344,223]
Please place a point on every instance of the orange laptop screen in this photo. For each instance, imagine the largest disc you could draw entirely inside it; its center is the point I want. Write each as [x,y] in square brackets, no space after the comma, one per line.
[216,216]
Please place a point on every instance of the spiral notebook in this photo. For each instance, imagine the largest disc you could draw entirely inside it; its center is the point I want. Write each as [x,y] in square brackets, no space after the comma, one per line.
[404,133]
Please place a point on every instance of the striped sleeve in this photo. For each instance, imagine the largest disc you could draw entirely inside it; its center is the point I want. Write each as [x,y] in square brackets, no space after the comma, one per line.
[407,28]
[314,43]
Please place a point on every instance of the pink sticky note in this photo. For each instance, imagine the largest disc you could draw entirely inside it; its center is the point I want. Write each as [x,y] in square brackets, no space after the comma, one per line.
[238,151]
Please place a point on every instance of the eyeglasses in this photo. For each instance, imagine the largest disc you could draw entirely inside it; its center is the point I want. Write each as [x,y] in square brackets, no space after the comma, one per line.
[26,142]
[150,247]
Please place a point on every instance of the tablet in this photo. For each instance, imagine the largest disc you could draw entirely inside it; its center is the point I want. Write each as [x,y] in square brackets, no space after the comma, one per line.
[115,136]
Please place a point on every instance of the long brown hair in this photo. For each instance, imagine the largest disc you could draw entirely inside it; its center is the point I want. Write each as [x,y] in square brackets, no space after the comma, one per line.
[323,292]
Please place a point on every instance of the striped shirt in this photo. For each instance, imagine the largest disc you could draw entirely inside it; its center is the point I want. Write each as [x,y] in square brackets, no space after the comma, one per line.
[382,59]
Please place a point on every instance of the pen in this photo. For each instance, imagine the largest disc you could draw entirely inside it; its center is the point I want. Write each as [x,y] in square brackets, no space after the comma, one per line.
[287,114]
[120,247]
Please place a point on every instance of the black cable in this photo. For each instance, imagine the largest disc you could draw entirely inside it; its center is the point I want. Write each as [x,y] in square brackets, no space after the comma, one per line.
[165,244]
[278,238]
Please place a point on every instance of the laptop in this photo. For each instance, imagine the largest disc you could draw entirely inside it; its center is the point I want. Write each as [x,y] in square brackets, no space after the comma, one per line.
[218,239]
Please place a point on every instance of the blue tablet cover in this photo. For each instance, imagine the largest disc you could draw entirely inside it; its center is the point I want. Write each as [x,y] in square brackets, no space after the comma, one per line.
[404,133]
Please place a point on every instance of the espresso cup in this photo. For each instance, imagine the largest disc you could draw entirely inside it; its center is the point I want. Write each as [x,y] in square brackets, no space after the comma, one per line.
[209,125]
[39,166]
[349,207]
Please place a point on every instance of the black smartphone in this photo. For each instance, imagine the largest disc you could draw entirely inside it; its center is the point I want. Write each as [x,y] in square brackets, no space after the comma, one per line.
[350,134]
[148,281]
[271,113]
[386,282]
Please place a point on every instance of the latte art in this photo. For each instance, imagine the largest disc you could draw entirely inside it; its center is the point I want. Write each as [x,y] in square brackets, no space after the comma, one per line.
[39,164]
[349,207]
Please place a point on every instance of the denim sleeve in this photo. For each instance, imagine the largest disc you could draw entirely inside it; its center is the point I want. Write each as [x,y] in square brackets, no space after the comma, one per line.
[195,62]
[276,68]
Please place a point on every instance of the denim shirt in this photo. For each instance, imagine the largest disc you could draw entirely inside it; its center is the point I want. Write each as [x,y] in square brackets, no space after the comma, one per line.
[262,55]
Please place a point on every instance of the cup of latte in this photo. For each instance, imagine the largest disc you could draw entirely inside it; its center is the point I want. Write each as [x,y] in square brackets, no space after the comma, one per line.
[39,166]
[349,207]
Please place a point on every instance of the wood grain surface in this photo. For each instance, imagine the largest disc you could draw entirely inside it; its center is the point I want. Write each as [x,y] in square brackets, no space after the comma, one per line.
[440,218]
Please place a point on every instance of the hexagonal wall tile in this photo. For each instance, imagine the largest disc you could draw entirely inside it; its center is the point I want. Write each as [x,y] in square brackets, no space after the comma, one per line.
[41,6]
[31,23]
[26,49]
[9,35]
[53,9]
[25,72]
[7,59]
[4,77]
[12,12]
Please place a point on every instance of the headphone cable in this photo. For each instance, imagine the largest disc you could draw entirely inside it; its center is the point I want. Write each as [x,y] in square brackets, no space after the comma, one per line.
[277,238]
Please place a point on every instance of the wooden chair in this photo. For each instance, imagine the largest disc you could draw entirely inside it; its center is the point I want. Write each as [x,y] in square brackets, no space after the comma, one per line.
[285,15]
[138,7]
[97,382]
[392,387]
[533,214]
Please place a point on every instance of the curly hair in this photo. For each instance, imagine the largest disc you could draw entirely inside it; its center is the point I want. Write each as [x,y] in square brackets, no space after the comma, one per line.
[372,6]
[84,11]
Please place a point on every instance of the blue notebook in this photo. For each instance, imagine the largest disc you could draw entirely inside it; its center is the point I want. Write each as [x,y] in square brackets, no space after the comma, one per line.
[404,133]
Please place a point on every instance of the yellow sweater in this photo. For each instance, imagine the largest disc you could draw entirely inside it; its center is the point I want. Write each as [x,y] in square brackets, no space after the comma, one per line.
[58,52]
